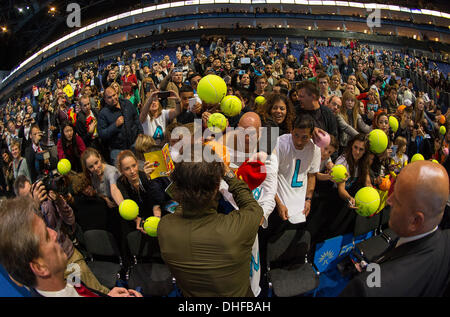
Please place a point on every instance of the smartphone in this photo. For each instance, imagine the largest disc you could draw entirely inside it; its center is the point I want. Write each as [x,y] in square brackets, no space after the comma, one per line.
[192,102]
[245,60]
[163,94]
[394,150]
[148,87]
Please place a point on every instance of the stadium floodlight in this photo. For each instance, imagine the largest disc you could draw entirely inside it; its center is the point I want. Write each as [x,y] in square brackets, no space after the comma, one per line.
[148,9]
[394,8]
[177,4]
[136,12]
[356,4]
[163,6]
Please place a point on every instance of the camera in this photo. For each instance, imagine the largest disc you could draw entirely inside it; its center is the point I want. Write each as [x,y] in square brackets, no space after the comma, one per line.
[56,183]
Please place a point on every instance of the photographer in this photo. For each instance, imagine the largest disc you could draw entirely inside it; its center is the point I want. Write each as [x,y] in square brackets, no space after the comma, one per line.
[31,255]
[58,216]
[24,131]
[39,160]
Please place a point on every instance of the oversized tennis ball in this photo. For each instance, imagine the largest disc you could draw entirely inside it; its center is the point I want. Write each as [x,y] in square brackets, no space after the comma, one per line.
[64,166]
[442,119]
[260,100]
[393,123]
[367,200]
[151,226]
[128,209]
[217,122]
[338,173]
[417,157]
[378,141]
[231,106]
[211,89]
[442,130]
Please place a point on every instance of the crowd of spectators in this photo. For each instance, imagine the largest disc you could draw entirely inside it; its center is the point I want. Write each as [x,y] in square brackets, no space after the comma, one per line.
[104,116]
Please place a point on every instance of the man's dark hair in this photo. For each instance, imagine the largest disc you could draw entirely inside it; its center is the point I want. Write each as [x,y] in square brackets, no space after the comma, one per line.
[193,75]
[19,183]
[196,183]
[185,88]
[310,86]
[304,121]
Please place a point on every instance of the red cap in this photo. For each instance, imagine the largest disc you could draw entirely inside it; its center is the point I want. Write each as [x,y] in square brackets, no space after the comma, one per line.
[253,173]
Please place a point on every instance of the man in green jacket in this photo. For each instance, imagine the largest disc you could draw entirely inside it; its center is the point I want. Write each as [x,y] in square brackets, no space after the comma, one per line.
[209,253]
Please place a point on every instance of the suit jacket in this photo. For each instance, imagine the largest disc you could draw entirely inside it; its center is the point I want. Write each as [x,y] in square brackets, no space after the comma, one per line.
[25,141]
[420,268]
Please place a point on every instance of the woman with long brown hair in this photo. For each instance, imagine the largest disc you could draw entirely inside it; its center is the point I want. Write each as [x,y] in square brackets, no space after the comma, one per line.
[102,176]
[355,159]
[277,111]
[137,185]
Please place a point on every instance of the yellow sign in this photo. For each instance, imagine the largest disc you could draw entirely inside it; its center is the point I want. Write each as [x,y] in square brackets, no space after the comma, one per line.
[162,162]
[68,91]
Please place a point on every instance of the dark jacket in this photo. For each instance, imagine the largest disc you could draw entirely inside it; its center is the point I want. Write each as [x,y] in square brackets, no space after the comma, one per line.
[149,195]
[209,253]
[122,137]
[323,119]
[420,268]
[82,128]
[43,122]
[37,166]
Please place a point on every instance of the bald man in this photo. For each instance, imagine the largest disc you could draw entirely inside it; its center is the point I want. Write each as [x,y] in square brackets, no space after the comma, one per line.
[419,265]
[118,123]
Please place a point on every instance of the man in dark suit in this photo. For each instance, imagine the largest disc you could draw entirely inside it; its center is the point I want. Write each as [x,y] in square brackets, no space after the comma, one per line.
[419,264]
[38,158]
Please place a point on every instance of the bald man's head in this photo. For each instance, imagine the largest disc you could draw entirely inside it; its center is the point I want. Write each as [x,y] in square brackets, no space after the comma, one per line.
[111,97]
[418,201]
[250,119]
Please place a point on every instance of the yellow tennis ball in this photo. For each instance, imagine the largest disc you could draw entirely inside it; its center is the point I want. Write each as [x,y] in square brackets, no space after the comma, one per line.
[151,226]
[211,89]
[128,209]
[393,123]
[434,161]
[217,122]
[367,199]
[442,130]
[378,141]
[64,166]
[417,157]
[260,100]
[338,173]
[231,106]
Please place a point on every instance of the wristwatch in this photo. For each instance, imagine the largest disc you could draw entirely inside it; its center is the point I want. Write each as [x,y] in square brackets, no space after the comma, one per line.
[229,175]
[308,198]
